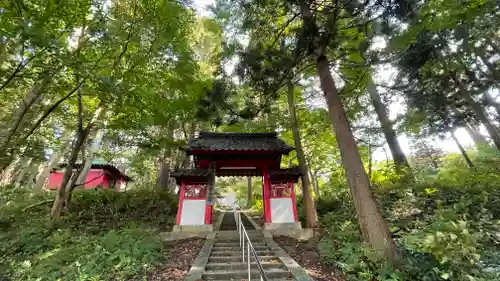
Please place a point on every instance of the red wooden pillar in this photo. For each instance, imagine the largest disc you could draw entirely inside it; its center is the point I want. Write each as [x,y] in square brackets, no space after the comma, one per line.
[208,208]
[266,195]
[181,201]
[294,203]
[209,193]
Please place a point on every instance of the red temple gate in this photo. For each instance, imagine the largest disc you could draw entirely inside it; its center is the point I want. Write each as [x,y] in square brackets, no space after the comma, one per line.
[236,154]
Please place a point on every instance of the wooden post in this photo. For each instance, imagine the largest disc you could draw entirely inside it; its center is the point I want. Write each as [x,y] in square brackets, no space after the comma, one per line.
[294,203]
[266,195]
[181,200]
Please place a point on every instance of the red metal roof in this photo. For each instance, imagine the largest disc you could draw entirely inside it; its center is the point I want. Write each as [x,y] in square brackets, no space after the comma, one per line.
[107,167]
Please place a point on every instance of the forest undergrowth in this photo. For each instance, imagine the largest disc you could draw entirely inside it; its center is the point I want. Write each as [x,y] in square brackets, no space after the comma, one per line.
[104,235]
[446,224]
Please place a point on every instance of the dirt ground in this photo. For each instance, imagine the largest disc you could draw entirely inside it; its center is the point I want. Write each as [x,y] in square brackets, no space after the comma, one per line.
[306,254]
[181,256]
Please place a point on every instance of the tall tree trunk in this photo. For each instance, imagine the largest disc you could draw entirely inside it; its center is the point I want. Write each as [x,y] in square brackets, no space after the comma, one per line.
[489,100]
[163,180]
[475,135]
[23,171]
[9,173]
[398,155]
[54,160]
[431,157]
[271,121]
[192,130]
[462,150]
[374,227]
[312,176]
[32,96]
[32,174]
[309,205]
[61,191]
[370,164]
[478,110]
[314,182]
[249,193]
[106,142]
[491,68]
[82,177]
[163,174]
[20,111]
[492,44]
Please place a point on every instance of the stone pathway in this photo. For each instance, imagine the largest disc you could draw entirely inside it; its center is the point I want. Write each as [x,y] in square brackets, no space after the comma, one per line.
[221,257]
[226,263]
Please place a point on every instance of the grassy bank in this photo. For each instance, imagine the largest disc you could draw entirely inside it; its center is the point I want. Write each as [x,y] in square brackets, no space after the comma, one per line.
[105,235]
[446,224]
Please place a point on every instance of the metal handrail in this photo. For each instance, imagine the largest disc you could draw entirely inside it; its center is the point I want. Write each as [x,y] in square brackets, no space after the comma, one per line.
[244,237]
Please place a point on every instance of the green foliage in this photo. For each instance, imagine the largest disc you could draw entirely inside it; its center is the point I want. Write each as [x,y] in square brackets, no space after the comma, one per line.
[106,235]
[446,224]
[107,209]
[343,248]
[70,255]
[257,204]
[452,243]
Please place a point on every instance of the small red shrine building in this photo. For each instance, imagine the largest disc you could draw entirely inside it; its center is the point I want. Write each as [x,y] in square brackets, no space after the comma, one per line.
[100,176]
[242,155]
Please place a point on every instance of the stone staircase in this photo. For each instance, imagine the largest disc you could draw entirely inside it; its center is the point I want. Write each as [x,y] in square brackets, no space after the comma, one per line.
[225,261]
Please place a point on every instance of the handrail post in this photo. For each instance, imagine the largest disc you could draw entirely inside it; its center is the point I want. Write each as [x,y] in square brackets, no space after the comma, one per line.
[243,250]
[243,235]
[248,261]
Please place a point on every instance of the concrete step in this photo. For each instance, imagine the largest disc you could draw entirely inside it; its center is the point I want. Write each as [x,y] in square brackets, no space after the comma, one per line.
[257,279]
[228,259]
[237,244]
[238,248]
[243,274]
[236,241]
[251,233]
[242,265]
[240,253]
[237,238]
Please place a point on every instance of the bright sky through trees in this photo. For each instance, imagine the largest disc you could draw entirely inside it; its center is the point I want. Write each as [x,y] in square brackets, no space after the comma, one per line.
[385,75]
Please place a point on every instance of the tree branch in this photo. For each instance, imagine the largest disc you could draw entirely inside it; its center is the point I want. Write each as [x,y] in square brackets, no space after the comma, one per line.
[283,28]
[37,204]
[52,108]
[22,65]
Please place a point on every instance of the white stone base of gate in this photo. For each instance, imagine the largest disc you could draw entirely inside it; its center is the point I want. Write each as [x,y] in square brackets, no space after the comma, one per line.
[283,225]
[193,228]
[293,230]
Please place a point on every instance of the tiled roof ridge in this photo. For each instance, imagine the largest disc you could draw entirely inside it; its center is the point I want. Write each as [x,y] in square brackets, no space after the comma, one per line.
[242,135]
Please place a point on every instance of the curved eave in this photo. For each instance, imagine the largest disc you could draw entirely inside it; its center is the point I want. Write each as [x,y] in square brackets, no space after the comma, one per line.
[201,175]
[199,151]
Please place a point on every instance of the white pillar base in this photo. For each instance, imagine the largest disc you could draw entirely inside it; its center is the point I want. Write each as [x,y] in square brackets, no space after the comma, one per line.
[193,228]
[285,225]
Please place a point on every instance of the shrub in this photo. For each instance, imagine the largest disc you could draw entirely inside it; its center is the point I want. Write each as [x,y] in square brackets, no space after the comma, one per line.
[102,208]
[446,224]
[63,254]
[342,247]
[106,235]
